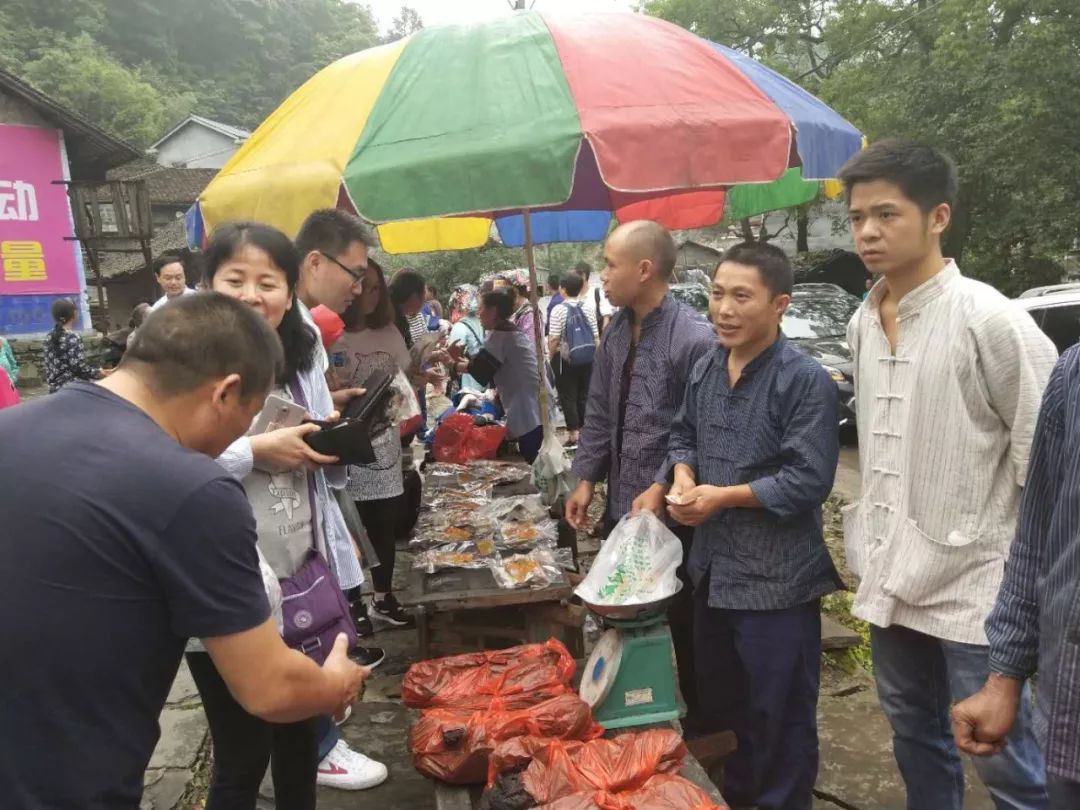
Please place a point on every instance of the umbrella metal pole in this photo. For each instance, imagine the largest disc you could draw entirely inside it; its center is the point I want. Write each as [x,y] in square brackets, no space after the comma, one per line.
[538,332]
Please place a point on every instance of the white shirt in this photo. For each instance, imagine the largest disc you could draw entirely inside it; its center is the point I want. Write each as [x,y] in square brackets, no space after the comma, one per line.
[558,320]
[588,301]
[164,299]
[945,428]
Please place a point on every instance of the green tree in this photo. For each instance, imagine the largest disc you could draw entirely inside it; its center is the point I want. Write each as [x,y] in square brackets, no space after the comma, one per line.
[408,21]
[82,75]
[992,82]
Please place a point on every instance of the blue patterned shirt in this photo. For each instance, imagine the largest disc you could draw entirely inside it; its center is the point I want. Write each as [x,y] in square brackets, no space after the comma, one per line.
[778,431]
[1035,624]
[672,339]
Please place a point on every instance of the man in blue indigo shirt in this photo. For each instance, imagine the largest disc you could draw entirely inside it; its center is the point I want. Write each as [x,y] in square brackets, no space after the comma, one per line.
[752,456]
[639,376]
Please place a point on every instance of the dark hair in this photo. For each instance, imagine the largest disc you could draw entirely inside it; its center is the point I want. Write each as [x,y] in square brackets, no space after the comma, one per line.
[553,281]
[63,311]
[573,284]
[138,315]
[204,337]
[297,338]
[405,284]
[384,311]
[431,288]
[487,286]
[167,258]
[332,231]
[771,262]
[583,269]
[501,301]
[926,175]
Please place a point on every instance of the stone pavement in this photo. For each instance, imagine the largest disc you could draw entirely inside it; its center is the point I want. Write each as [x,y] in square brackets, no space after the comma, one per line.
[182,750]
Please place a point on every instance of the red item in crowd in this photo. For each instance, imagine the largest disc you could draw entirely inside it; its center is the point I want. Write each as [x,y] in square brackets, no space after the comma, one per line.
[9,394]
[627,771]
[330,325]
[458,440]
[454,744]
[518,676]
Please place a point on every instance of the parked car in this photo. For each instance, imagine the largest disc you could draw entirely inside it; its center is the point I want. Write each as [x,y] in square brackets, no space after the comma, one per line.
[1057,314]
[1036,292]
[816,324]
[693,295]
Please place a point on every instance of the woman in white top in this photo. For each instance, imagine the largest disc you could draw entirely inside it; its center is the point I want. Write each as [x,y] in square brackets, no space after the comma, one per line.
[259,265]
[372,343]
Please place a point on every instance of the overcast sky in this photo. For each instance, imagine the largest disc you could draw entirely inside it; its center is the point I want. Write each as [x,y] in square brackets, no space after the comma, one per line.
[439,12]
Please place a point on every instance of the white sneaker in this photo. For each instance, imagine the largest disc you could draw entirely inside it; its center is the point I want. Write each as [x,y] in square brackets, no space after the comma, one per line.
[346,769]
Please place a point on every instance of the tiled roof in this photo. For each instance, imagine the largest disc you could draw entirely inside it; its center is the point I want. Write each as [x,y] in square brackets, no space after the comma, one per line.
[169,237]
[227,130]
[167,185]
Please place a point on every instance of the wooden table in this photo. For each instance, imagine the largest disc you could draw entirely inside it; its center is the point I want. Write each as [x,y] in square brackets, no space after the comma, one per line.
[465,610]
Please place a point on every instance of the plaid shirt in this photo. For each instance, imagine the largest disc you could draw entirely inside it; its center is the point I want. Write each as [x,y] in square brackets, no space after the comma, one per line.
[1035,624]
[776,430]
[672,339]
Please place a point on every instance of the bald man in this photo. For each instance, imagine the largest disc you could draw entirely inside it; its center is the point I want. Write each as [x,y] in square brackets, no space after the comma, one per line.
[639,377]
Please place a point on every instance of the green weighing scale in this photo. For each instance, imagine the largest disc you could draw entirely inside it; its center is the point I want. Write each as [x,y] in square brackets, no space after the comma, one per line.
[629,679]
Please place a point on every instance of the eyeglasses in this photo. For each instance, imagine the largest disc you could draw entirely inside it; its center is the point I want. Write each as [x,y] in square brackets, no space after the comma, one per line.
[357,275]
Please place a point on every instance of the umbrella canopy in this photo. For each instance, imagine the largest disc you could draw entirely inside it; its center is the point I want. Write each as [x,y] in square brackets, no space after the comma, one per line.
[576,119]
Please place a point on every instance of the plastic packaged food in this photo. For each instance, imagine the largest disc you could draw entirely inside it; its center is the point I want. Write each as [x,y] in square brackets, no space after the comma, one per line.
[538,568]
[468,554]
[636,564]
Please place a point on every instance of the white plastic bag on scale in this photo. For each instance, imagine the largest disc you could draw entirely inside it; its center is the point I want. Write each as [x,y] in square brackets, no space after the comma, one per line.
[636,564]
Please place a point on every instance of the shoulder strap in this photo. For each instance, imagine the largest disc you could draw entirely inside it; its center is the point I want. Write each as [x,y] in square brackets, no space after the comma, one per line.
[297,391]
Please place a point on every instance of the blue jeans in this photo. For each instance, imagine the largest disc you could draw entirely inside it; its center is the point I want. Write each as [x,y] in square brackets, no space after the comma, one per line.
[327,733]
[919,677]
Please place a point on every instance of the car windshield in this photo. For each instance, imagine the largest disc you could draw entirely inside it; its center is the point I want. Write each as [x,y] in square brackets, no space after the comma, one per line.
[819,316]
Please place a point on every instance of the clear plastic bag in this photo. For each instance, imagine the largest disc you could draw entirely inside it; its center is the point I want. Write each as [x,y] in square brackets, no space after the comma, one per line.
[528,534]
[481,554]
[539,568]
[636,564]
[551,470]
[516,509]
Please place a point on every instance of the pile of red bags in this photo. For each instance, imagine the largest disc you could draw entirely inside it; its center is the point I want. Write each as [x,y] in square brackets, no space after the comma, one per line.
[459,440]
[520,677]
[454,745]
[473,702]
[628,771]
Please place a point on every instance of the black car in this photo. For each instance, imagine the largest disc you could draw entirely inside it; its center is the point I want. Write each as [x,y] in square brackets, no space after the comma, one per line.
[816,324]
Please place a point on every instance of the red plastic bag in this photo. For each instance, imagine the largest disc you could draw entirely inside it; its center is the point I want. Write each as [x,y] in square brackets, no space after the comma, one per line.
[628,771]
[518,676]
[454,744]
[459,441]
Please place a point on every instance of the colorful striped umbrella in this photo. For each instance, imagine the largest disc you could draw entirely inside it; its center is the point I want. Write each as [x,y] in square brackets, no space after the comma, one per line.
[572,119]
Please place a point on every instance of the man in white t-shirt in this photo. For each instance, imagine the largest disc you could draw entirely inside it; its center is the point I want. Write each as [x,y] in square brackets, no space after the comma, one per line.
[594,299]
[170,275]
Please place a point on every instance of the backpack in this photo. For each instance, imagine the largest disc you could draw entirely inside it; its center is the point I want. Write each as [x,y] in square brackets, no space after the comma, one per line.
[580,345]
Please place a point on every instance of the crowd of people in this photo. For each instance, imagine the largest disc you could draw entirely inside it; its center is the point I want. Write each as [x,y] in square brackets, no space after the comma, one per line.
[195,518]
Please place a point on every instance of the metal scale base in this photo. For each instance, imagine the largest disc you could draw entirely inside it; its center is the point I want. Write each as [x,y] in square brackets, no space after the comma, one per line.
[629,679]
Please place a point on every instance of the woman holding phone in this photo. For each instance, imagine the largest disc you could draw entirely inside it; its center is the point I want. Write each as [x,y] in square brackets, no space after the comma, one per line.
[285,481]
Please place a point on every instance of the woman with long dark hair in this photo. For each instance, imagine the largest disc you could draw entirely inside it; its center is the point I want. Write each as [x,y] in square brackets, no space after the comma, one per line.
[283,478]
[62,354]
[372,343]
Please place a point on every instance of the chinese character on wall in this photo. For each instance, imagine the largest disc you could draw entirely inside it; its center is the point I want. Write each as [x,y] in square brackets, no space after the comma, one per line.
[22,261]
[18,201]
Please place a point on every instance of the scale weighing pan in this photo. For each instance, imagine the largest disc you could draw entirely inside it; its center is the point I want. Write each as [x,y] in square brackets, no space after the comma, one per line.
[630,612]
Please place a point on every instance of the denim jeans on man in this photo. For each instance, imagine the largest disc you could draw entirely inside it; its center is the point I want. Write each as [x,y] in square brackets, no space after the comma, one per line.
[919,677]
